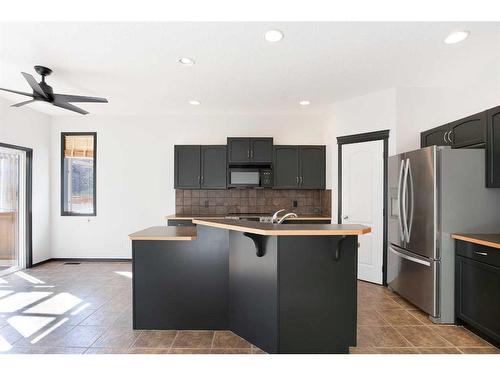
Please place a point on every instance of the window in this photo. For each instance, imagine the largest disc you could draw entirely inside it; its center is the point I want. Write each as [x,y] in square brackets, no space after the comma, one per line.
[78,174]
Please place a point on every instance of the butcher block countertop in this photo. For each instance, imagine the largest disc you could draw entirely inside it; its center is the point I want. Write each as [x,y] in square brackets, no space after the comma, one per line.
[219,217]
[491,240]
[165,233]
[267,229]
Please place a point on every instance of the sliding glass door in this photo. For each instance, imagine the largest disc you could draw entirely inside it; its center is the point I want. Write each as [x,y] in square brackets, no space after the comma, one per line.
[12,209]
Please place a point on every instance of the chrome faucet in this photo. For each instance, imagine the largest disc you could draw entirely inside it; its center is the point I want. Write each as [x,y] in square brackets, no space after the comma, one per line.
[286,216]
[274,219]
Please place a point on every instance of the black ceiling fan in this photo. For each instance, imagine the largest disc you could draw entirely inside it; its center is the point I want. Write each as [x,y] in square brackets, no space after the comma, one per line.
[44,92]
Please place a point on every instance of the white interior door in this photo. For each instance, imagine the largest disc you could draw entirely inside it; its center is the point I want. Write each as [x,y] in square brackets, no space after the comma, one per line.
[363,202]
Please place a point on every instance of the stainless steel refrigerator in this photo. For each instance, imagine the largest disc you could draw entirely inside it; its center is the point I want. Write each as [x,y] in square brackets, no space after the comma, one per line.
[432,193]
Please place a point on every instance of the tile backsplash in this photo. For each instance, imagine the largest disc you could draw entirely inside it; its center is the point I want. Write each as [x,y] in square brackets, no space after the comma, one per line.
[222,202]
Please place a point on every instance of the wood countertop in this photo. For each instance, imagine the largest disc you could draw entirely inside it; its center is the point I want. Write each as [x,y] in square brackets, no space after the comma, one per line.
[165,233]
[490,240]
[268,229]
[220,217]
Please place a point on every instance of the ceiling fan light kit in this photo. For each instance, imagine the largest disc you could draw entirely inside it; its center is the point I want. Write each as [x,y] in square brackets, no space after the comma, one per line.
[43,92]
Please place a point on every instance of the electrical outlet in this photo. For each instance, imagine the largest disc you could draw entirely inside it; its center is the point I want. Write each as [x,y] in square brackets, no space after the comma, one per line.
[294,203]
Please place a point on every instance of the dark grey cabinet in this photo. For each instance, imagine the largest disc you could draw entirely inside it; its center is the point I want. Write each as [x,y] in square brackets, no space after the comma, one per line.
[213,167]
[469,131]
[286,161]
[299,167]
[466,132]
[477,288]
[250,150]
[200,167]
[435,137]
[493,147]
[312,167]
[187,167]
[481,130]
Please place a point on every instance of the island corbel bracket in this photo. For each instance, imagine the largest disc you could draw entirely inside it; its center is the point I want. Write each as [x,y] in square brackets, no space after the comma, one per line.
[336,255]
[258,241]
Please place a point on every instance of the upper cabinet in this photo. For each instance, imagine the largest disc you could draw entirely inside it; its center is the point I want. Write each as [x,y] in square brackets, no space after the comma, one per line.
[187,167]
[299,167]
[200,167]
[493,147]
[468,131]
[213,167]
[250,150]
[312,167]
[435,137]
[481,130]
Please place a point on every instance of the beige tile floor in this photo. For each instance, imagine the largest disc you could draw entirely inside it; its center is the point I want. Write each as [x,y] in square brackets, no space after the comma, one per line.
[86,308]
[388,323]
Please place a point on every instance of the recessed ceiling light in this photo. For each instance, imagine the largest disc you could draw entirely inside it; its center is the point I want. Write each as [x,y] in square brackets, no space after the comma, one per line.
[304,102]
[456,37]
[186,61]
[273,35]
[194,102]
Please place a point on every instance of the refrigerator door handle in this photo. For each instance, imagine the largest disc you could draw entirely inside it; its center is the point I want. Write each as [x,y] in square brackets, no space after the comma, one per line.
[410,258]
[411,201]
[403,203]
[401,168]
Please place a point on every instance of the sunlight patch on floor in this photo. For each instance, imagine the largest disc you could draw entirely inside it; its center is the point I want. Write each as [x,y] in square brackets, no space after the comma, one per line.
[28,325]
[17,301]
[48,331]
[55,305]
[29,278]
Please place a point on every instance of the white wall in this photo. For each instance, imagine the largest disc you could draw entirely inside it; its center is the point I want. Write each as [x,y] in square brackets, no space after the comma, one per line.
[135,170]
[367,113]
[28,128]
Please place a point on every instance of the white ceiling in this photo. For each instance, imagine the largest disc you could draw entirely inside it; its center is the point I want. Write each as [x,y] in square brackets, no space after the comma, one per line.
[135,65]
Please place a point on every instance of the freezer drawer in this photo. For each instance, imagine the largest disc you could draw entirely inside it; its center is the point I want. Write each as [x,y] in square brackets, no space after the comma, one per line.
[413,277]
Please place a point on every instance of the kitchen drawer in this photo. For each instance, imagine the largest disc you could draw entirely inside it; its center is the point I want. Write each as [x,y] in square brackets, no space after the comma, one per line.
[180,223]
[484,254]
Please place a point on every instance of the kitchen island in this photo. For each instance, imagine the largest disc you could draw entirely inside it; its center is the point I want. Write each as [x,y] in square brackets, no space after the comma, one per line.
[284,288]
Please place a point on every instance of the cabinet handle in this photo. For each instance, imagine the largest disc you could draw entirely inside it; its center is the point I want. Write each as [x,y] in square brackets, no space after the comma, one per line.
[297,178]
[449,133]
[301,179]
[248,154]
[199,179]
[480,253]
[251,154]
[202,178]
[444,137]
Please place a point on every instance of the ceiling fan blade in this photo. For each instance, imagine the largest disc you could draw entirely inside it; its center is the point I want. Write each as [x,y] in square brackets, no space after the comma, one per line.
[22,103]
[78,98]
[17,92]
[70,107]
[34,84]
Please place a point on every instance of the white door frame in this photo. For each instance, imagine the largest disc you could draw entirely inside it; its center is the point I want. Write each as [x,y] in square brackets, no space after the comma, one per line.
[25,200]
[358,138]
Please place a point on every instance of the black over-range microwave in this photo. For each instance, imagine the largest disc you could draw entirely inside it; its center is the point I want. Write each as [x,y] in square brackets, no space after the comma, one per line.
[249,176]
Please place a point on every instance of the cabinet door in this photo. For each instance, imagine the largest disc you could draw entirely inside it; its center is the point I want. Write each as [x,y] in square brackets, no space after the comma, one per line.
[435,137]
[261,150]
[493,148]
[238,150]
[468,131]
[213,167]
[286,167]
[478,295]
[187,167]
[312,167]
